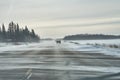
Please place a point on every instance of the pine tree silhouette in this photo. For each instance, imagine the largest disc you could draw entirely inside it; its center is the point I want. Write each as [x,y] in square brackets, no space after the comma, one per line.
[17,34]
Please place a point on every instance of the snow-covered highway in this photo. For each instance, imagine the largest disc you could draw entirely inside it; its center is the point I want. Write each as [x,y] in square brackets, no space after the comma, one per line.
[50,61]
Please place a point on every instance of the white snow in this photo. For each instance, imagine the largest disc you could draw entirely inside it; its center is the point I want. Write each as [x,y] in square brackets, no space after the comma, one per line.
[4,47]
[24,46]
[11,62]
[107,41]
[82,46]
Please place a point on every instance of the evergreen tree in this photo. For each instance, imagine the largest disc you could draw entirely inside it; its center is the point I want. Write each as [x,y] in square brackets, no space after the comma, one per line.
[32,33]
[26,30]
[0,30]
[17,30]
[0,34]
[3,31]
[17,34]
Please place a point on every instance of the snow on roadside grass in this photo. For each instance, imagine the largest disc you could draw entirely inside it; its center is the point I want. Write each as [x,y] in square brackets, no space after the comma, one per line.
[25,46]
[107,41]
[95,49]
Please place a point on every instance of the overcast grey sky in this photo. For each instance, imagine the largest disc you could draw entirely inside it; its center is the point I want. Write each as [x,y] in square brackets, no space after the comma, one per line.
[56,18]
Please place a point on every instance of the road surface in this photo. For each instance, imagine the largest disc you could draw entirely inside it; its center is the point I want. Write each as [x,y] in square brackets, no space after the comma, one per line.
[51,61]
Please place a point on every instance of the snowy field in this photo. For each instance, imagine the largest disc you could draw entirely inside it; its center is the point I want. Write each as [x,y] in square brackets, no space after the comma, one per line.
[66,61]
[81,45]
[109,41]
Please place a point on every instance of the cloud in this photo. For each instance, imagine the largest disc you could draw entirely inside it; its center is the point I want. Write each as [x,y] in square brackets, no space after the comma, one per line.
[60,13]
[110,21]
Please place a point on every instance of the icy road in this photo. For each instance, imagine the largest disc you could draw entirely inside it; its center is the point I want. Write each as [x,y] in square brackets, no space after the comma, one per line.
[50,61]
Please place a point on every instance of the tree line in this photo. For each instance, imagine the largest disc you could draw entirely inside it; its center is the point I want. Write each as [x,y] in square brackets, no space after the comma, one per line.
[90,37]
[16,34]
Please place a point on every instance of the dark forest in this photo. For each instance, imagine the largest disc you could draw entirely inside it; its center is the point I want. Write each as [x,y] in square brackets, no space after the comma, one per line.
[90,37]
[16,34]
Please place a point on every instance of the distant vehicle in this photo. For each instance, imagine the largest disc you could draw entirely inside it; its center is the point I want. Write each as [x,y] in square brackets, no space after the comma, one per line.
[58,41]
